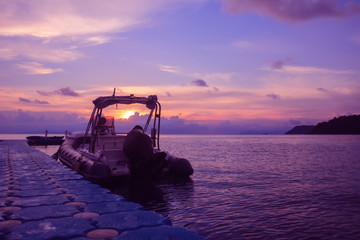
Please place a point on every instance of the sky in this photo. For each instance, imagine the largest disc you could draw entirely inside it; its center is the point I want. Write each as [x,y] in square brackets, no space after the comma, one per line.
[217,66]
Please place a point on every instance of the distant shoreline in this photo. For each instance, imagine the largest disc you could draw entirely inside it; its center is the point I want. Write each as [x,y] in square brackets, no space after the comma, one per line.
[338,125]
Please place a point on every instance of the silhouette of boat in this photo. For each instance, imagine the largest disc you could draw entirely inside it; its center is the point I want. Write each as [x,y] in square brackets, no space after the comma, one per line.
[102,154]
[39,140]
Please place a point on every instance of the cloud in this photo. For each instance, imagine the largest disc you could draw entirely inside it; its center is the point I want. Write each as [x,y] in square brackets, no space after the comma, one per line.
[294,10]
[309,69]
[45,19]
[7,53]
[199,83]
[37,68]
[167,68]
[322,90]
[21,99]
[218,77]
[273,96]
[53,30]
[40,102]
[36,49]
[98,40]
[67,91]
[287,66]
[24,100]
[278,64]
[21,121]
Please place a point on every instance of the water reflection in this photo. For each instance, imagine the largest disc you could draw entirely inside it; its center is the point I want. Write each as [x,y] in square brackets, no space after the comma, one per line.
[154,195]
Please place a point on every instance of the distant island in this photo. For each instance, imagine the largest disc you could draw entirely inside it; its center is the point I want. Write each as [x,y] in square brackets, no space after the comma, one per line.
[337,125]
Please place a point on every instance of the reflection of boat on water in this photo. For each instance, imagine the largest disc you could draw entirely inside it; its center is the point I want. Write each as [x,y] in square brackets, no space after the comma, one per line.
[40,140]
[100,153]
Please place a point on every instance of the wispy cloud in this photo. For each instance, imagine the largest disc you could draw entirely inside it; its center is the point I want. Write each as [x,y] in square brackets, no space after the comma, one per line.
[294,10]
[37,50]
[7,54]
[168,68]
[36,101]
[37,68]
[322,90]
[282,66]
[66,91]
[273,96]
[309,69]
[52,30]
[68,18]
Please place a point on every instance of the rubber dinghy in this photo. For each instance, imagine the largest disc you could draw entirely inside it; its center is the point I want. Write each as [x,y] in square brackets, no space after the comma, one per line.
[100,153]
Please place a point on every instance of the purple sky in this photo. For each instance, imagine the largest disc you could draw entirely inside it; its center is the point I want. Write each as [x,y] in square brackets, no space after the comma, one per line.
[217,66]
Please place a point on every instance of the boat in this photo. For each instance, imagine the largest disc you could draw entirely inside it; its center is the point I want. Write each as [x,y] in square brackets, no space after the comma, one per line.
[102,154]
[40,140]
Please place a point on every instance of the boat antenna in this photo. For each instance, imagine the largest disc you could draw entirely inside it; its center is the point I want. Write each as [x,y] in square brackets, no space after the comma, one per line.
[114,92]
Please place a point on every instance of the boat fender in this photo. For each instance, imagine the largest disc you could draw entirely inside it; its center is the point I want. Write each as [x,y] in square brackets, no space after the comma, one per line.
[180,167]
[74,157]
[76,166]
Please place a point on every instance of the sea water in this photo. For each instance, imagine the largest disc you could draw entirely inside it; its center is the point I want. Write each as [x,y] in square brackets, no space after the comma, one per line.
[266,187]
[262,187]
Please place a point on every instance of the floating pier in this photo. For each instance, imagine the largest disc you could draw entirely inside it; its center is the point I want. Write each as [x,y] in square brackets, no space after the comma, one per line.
[42,199]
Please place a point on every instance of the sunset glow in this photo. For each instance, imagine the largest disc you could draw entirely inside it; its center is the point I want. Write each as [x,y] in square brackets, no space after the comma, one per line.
[127,114]
[254,65]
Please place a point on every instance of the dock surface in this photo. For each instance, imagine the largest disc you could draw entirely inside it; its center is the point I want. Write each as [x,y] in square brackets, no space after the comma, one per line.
[42,199]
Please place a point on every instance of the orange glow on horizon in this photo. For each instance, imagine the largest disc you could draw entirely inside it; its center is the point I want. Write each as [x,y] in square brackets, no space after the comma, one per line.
[126,114]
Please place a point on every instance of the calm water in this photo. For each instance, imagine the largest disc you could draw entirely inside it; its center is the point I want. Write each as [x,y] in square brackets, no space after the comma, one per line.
[266,187]
[262,187]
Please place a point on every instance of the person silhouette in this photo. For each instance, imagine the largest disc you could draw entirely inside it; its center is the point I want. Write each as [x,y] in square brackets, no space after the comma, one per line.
[144,162]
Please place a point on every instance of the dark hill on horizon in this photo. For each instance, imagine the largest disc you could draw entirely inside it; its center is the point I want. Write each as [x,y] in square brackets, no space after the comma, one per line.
[337,125]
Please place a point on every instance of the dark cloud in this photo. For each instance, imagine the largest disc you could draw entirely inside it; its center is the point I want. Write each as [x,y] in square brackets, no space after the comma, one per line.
[322,90]
[294,10]
[43,93]
[199,83]
[67,91]
[35,101]
[24,100]
[216,89]
[40,102]
[277,64]
[273,96]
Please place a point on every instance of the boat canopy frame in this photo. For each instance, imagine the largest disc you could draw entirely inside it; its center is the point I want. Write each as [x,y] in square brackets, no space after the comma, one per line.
[100,103]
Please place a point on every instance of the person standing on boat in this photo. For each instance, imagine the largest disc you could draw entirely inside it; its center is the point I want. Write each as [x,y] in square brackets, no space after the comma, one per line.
[138,147]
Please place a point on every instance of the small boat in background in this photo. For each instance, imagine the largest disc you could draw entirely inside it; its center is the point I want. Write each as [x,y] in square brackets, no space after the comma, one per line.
[45,140]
